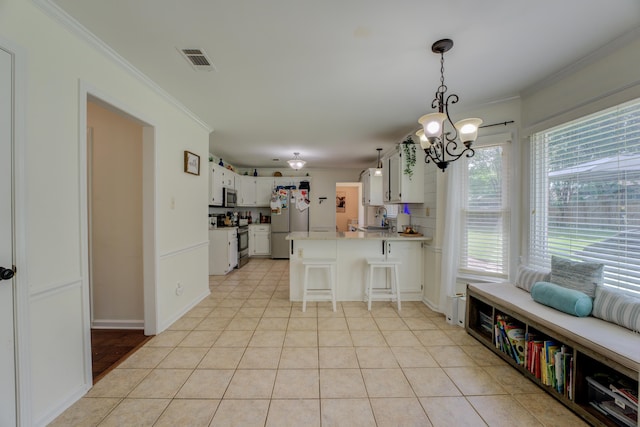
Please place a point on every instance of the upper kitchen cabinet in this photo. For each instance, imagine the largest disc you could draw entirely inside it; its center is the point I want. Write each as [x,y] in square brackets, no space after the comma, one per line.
[216,183]
[254,191]
[403,175]
[371,187]
[246,188]
[219,178]
[264,188]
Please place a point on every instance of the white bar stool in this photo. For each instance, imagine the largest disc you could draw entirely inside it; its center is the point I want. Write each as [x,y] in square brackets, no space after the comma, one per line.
[392,292]
[324,294]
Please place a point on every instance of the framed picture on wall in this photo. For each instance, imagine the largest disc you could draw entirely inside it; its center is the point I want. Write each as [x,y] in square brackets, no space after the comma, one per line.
[191,163]
[341,201]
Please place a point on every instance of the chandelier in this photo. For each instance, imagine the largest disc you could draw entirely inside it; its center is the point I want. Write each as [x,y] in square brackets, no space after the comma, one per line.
[445,146]
[296,163]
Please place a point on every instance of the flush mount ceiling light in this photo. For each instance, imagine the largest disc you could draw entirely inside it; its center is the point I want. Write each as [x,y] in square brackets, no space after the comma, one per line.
[296,163]
[445,146]
[378,171]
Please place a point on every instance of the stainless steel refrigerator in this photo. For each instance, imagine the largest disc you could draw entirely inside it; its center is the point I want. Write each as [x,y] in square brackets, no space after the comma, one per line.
[289,220]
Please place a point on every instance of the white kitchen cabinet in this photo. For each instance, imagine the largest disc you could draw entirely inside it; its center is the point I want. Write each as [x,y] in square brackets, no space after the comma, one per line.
[352,271]
[223,250]
[371,187]
[229,178]
[410,271]
[259,240]
[246,188]
[216,183]
[264,188]
[399,187]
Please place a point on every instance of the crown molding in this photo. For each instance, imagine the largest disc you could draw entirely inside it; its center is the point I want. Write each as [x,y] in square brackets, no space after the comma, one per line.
[67,21]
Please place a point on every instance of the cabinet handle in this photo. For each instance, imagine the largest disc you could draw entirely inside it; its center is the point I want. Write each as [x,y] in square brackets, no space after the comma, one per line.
[383,245]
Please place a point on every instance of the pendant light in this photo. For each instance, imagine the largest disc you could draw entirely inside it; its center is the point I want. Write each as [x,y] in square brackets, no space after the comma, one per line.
[378,171]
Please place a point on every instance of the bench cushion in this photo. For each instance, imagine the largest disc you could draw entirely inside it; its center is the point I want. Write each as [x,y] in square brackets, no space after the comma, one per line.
[615,342]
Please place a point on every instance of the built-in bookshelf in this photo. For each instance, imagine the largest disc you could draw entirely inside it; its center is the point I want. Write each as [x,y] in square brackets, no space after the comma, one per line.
[599,390]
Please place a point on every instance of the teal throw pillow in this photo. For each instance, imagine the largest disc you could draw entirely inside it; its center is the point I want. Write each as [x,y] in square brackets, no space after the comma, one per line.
[567,300]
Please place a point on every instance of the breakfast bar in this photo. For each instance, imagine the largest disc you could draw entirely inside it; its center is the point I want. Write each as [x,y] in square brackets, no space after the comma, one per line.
[351,250]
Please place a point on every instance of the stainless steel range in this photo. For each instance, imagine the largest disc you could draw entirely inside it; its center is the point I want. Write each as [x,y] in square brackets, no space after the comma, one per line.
[243,242]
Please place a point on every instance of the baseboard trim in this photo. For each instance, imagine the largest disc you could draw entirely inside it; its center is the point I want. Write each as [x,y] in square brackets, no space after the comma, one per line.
[170,321]
[56,411]
[117,324]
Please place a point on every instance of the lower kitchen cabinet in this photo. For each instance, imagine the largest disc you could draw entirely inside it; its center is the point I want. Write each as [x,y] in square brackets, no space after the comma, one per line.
[259,240]
[351,272]
[411,269]
[223,250]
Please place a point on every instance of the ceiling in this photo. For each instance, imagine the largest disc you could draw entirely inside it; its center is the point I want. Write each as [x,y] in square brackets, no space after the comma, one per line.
[334,80]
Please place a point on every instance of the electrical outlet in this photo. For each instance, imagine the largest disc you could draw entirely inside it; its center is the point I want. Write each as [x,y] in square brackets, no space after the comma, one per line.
[179,289]
[427,211]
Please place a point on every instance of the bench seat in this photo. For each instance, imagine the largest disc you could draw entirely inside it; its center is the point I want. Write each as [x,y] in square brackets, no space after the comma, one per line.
[614,342]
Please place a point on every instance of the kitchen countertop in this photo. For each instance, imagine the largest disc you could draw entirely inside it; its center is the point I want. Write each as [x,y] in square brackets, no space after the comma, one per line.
[353,235]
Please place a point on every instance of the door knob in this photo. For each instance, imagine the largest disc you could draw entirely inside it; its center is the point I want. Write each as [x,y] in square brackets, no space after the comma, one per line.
[6,273]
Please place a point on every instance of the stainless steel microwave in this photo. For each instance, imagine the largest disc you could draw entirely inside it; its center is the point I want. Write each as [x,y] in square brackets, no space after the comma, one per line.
[229,197]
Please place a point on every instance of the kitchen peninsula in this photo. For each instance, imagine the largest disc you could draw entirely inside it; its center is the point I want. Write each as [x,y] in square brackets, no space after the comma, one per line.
[351,250]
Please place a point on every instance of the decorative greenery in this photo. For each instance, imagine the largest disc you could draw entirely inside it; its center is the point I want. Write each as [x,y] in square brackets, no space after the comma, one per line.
[409,148]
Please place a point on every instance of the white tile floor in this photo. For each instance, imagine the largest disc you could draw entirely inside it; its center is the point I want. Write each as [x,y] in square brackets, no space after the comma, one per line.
[246,356]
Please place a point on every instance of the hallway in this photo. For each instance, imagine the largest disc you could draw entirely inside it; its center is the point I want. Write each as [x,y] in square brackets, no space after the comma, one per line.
[246,356]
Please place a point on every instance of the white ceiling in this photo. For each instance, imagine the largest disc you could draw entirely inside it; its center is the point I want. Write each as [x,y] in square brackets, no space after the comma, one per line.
[335,79]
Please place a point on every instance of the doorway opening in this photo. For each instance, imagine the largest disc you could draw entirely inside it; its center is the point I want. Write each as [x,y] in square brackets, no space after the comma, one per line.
[120,245]
[349,209]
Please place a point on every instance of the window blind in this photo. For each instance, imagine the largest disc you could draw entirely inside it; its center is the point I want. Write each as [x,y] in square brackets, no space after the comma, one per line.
[586,194]
[485,216]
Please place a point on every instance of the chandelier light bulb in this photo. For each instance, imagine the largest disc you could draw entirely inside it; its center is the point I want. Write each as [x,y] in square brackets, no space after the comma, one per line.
[468,129]
[432,124]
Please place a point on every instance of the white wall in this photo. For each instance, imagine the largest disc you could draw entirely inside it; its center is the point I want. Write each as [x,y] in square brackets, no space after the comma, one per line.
[115,156]
[56,62]
[322,216]
[605,78]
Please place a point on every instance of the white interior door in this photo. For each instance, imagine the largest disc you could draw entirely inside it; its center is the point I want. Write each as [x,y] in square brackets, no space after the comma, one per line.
[7,337]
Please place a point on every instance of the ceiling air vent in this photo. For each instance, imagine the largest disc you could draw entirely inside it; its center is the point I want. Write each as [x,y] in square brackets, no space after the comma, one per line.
[198,59]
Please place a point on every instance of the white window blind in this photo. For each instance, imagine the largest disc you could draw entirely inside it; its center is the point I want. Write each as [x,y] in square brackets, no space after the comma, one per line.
[586,194]
[485,215]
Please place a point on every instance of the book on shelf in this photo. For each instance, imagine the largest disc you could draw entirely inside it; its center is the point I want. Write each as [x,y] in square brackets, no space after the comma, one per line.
[626,415]
[510,338]
[550,362]
[626,391]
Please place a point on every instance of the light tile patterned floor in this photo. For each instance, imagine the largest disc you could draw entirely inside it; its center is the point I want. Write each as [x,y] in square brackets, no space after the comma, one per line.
[246,356]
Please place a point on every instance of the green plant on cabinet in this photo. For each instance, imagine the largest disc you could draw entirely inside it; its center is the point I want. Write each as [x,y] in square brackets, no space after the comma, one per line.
[409,149]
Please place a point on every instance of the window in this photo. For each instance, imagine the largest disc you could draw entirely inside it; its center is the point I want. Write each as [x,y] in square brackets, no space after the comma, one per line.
[485,212]
[586,194]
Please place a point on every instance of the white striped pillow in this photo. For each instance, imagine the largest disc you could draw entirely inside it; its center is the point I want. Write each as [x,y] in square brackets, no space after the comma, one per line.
[618,307]
[528,276]
[581,276]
